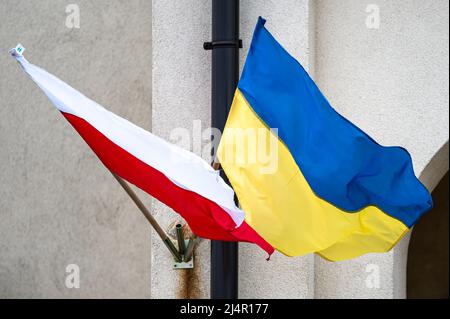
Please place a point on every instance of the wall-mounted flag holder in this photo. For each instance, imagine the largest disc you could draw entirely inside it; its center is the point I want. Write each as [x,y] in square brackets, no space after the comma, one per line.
[183,256]
[186,249]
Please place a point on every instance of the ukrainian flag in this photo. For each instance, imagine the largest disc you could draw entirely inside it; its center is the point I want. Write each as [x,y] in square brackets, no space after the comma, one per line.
[307,178]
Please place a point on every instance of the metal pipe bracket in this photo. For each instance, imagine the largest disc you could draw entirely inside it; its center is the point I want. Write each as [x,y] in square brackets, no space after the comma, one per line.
[222,44]
[184,264]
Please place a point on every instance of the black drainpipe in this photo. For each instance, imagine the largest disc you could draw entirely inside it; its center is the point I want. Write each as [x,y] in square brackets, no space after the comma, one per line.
[225,75]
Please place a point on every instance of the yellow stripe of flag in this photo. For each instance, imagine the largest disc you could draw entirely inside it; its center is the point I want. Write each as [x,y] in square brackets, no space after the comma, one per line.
[281,206]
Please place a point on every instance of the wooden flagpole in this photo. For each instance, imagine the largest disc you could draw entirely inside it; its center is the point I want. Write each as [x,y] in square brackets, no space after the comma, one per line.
[165,238]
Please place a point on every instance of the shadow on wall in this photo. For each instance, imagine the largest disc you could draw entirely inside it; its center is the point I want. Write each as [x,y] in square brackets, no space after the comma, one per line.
[428,267]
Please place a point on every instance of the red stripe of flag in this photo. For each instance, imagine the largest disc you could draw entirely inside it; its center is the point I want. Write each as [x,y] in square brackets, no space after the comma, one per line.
[205,218]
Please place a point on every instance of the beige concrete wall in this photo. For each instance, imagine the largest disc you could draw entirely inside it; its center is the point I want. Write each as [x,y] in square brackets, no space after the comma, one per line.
[181,95]
[58,204]
[393,83]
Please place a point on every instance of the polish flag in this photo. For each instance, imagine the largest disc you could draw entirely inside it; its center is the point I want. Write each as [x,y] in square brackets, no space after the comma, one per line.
[176,177]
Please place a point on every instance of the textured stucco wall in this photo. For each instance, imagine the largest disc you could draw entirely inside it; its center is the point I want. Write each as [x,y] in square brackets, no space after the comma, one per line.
[58,204]
[393,83]
[181,95]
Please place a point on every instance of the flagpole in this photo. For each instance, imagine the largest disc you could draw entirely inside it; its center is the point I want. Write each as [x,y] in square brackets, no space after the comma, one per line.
[165,238]
[225,46]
